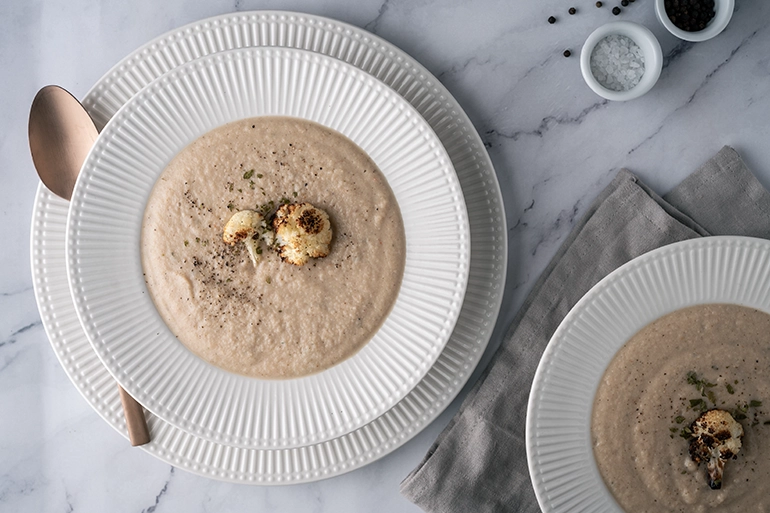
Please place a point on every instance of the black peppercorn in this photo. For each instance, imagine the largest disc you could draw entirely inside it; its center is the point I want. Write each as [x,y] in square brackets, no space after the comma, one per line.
[567,53]
[598,4]
[551,20]
[692,15]
[624,3]
[616,10]
[572,10]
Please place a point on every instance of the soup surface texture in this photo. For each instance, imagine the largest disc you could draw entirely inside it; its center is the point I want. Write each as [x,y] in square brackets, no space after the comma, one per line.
[645,399]
[275,319]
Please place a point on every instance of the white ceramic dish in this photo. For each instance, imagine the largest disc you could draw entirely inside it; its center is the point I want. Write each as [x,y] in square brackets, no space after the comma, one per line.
[477,316]
[559,452]
[647,42]
[723,12]
[104,261]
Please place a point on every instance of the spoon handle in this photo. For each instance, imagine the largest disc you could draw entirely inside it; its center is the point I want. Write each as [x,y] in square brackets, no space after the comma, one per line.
[135,421]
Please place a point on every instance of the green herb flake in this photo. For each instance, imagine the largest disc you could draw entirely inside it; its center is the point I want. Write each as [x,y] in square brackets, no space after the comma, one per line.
[187,243]
[696,403]
[739,416]
[685,433]
[251,184]
[230,207]
[730,389]
[701,386]
[248,174]
[673,429]
[198,240]
[755,404]
[679,419]
[259,175]
[268,280]
[295,194]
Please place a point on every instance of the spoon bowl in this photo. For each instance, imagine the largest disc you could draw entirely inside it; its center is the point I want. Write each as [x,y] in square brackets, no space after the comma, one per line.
[61,133]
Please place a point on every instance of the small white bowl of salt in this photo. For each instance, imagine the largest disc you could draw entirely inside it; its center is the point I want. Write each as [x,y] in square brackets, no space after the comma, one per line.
[621,61]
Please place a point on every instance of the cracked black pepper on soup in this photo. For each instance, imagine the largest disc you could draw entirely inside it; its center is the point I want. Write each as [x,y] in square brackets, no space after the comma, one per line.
[273,319]
[690,361]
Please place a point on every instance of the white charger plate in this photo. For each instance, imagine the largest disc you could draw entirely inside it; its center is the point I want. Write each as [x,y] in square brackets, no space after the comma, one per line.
[487,266]
[105,264]
[558,435]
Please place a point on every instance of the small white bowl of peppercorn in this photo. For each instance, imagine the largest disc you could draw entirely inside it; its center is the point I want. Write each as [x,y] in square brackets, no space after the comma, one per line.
[694,20]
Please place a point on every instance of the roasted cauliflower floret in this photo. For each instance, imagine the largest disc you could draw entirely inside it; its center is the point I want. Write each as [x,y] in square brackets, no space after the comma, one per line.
[247,226]
[716,439]
[302,231]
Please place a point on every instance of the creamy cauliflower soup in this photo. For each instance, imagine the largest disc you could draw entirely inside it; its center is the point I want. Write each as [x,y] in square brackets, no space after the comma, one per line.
[272,319]
[686,363]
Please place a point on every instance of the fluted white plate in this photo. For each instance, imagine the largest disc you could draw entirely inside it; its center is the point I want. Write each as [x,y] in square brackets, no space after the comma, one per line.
[105,265]
[698,271]
[487,266]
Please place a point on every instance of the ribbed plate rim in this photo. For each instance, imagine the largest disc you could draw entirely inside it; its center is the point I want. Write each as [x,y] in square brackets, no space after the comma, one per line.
[350,406]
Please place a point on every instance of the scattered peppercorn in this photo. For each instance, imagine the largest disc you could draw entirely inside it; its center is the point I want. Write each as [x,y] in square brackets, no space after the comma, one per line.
[616,10]
[624,3]
[567,53]
[690,15]
[598,4]
[572,10]
[551,20]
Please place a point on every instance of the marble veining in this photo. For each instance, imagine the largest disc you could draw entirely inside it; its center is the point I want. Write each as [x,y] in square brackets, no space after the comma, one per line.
[372,25]
[161,493]
[553,142]
[671,56]
[14,336]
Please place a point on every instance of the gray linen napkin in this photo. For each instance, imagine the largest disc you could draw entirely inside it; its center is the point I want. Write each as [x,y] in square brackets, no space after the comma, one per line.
[478,463]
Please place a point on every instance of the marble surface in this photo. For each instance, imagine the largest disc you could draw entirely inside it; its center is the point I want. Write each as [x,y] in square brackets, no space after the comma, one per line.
[553,142]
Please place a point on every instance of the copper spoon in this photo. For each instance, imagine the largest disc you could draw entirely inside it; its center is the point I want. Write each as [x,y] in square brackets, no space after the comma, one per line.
[61,133]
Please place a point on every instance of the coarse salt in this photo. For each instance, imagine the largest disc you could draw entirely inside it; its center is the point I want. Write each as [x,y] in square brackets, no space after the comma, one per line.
[617,63]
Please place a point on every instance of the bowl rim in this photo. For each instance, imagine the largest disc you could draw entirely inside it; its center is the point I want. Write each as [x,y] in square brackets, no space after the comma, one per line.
[723,10]
[643,37]
[194,422]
